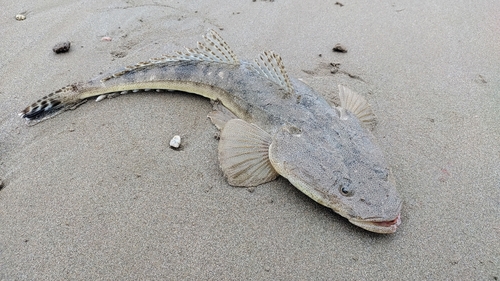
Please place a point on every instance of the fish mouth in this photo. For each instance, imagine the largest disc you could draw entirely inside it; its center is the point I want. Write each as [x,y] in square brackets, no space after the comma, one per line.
[384,227]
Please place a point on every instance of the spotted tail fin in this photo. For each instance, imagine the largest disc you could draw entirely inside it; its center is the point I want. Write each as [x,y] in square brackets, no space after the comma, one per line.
[52,104]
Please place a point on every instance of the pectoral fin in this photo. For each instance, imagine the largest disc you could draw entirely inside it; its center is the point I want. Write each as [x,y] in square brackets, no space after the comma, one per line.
[244,154]
[356,104]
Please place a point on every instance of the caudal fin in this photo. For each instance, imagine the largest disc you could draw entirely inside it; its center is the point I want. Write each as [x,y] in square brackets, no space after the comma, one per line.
[51,105]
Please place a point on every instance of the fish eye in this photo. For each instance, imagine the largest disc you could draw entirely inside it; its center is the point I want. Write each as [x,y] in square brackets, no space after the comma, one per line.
[346,190]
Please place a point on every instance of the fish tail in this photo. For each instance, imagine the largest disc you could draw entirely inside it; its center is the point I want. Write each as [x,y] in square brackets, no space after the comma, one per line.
[53,104]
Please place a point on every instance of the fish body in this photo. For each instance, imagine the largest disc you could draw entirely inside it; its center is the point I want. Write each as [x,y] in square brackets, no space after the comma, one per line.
[270,125]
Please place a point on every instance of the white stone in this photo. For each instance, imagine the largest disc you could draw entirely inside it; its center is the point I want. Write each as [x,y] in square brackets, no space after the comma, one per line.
[175,142]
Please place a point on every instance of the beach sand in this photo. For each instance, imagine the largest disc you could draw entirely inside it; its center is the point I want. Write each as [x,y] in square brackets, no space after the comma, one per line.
[97,194]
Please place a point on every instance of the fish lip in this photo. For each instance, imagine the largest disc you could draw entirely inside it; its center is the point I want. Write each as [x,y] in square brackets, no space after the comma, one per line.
[377,225]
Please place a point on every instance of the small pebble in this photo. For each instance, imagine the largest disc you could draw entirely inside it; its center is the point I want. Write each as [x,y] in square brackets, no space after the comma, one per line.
[61,47]
[339,48]
[175,142]
[100,98]
[106,38]
[20,17]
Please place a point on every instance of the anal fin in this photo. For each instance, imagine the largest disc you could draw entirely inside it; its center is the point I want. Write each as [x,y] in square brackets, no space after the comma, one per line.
[244,154]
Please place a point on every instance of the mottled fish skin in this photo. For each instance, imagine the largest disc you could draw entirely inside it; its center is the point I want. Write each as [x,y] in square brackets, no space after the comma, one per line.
[323,151]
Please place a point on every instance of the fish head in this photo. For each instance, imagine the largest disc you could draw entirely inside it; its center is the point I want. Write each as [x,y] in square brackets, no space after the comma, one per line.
[343,171]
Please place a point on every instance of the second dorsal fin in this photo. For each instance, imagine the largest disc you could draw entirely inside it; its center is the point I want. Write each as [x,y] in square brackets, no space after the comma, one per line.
[270,65]
[213,49]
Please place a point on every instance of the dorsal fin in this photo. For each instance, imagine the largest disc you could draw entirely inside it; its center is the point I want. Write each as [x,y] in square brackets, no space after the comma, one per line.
[213,42]
[213,49]
[356,104]
[270,65]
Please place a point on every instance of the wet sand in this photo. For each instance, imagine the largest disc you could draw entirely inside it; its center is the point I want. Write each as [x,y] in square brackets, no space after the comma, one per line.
[97,194]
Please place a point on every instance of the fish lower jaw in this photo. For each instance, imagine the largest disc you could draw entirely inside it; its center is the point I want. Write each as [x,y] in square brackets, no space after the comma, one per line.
[384,227]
